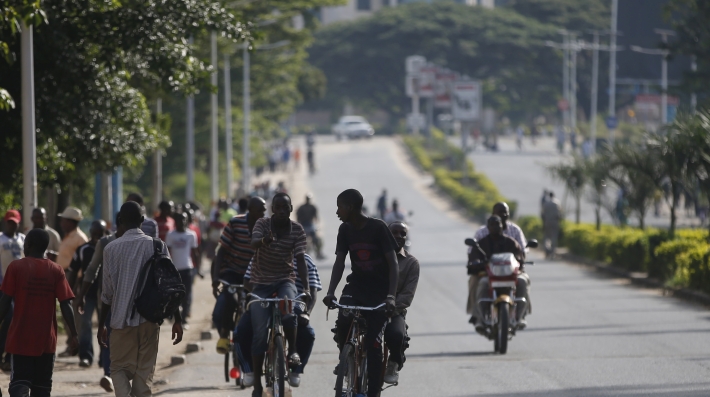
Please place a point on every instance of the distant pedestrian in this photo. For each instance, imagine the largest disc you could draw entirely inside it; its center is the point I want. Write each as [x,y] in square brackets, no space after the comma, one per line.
[134,340]
[39,221]
[12,245]
[165,222]
[561,140]
[551,221]
[587,148]
[573,141]
[286,156]
[382,204]
[297,157]
[34,284]
[80,262]
[395,215]
[182,244]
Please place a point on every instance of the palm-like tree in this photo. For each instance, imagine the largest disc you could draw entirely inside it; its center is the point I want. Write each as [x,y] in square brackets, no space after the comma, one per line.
[574,176]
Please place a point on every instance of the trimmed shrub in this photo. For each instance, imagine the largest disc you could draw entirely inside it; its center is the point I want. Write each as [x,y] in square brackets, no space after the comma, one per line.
[532,227]
[665,262]
[693,269]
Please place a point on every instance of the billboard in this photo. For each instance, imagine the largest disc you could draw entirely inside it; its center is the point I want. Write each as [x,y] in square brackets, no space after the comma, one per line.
[443,87]
[466,100]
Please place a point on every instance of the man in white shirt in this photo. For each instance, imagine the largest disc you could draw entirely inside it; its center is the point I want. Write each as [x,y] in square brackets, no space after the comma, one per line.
[182,243]
[12,244]
[395,215]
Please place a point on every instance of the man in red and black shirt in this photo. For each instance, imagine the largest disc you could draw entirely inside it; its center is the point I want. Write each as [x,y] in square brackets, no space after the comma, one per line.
[35,283]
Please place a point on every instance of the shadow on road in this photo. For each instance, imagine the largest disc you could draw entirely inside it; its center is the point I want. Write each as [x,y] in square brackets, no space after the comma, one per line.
[677,390]
[449,354]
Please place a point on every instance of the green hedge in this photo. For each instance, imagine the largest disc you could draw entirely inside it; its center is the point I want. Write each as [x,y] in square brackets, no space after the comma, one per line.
[436,154]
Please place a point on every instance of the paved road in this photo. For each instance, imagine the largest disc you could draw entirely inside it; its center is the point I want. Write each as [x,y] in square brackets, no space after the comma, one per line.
[522,176]
[588,335]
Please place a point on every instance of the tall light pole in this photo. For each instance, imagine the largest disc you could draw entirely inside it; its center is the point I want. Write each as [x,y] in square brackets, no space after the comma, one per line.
[214,152]
[29,149]
[573,85]
[246,152]
[190,147]
[158,163]
[694,96]
[228,126]
[595,90]
[565,77]
[612,65]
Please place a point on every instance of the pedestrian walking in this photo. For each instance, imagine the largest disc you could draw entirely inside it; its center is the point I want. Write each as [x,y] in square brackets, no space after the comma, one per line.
[134,340]
[182,244]
[551,220]
[39,221]
[149,226]
[73,239]
[79,264]
[34,284]
[382,204]
[12,245]
[165,222]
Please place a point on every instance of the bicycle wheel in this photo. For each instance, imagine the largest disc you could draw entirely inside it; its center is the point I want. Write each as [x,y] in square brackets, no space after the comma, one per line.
[362,375]
[279,367]
[346,381]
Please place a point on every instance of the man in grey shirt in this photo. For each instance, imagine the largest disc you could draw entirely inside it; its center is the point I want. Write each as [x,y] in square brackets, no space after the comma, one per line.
[396,332]
[134,340]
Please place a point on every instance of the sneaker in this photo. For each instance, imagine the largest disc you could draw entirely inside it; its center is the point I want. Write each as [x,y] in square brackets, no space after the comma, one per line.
[69,353]
[480,327]
[522,324]
[392,373]
[335,371]
[84,363]
[107,383]
[248,379]
[472,320]
[223,346]
[294,379]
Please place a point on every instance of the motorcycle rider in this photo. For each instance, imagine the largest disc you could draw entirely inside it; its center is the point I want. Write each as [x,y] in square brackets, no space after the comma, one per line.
[497,243]
[511,230]
[396,336]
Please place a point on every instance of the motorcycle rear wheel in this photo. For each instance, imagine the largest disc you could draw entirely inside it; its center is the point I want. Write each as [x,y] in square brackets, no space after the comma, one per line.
[503,327]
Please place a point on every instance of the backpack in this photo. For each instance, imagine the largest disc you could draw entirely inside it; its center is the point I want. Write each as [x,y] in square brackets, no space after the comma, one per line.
[160,288]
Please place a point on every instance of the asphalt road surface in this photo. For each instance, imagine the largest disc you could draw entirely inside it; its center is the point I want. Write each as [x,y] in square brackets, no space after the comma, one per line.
[588,335]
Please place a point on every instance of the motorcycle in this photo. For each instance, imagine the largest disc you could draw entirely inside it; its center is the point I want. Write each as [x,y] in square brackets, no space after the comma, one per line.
[498,310]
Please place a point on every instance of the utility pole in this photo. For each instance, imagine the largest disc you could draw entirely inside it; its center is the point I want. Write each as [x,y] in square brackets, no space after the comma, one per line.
[612,65]
[246,153]
[565,77]
[190,147]
[694,96]
[158,163]
[29,141]
[415,111]
[664,69]
[228,126]
[595,89]
[214,152]
[573,85]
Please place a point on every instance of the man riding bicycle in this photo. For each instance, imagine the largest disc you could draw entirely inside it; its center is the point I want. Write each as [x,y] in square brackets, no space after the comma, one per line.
[497,243]
[307,216]
[396,331]
[511,230]
[277,241]
[230,264]
[305,336]
[373,279]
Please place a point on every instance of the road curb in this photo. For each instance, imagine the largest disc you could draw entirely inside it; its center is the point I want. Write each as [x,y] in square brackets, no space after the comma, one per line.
[640,279]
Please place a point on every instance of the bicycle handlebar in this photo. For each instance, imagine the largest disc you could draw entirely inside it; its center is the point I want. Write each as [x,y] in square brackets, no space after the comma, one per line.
[339,306]
[257,298]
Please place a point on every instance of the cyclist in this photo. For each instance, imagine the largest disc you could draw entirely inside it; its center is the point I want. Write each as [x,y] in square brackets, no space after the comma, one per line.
[511,230]
[277,241]
[230,264]
[496,242]
[395,215]
[306,335]
[396,331]
[373,279]
[307,216]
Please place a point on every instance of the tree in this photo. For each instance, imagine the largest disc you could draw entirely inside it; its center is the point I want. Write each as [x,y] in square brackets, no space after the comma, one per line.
[364,60]
[597,170]
[638,189]
[94,61]
[573,174]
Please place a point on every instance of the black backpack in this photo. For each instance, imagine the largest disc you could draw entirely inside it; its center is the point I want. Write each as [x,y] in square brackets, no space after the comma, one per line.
[160,288]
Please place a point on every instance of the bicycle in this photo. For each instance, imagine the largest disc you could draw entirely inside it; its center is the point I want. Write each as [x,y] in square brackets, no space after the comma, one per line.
[238,293]
[275,361]
[352,369]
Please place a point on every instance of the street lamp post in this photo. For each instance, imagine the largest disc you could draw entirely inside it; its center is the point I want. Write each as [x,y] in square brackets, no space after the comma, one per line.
[29,148]
[190,147]
[228,126]
[214,152]
[664,69]
[595,90]
[612,65]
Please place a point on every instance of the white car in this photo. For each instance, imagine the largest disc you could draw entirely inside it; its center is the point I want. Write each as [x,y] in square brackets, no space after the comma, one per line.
[353,127]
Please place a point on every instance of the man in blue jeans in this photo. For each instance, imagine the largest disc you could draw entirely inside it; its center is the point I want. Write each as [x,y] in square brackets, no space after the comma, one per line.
[278,241]
[80,262]
[306,335]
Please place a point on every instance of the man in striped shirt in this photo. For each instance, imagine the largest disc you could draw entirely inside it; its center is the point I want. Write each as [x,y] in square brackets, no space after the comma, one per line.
[230,264]
[306,335]
[277,240]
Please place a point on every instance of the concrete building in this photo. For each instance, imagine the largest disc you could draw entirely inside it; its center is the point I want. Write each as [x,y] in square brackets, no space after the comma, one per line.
[361,8]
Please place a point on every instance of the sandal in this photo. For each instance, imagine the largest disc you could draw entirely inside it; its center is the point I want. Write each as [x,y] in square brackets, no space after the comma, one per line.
[294,360]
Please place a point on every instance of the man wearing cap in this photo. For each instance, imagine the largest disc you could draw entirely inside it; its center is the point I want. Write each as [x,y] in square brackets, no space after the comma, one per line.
[39,221]
[73,236]
[12,245]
